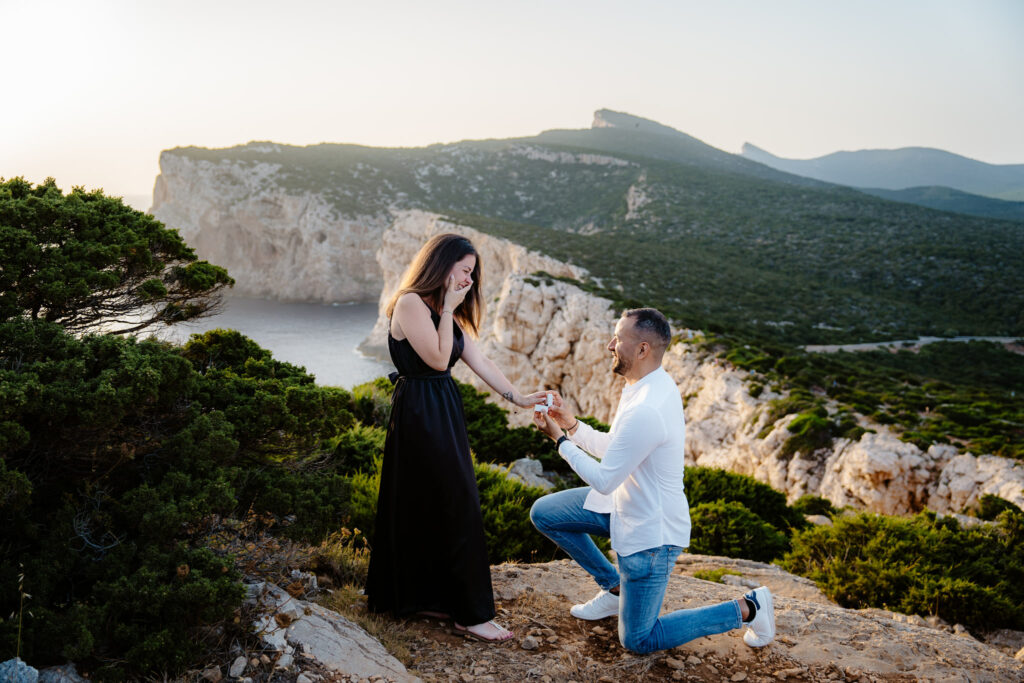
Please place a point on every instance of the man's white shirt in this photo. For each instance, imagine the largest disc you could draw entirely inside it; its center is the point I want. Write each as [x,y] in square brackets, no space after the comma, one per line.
[639,475]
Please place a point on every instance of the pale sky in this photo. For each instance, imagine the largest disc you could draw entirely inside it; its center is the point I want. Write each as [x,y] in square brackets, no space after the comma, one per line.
[91,91]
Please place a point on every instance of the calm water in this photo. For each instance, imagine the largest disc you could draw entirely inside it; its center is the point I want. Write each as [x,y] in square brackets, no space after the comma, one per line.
[319,337]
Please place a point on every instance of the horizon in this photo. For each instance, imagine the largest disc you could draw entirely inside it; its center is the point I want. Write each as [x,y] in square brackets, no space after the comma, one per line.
[110,85]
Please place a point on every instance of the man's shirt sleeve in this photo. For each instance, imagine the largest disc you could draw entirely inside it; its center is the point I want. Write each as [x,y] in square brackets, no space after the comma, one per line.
[637,434]
[591,440]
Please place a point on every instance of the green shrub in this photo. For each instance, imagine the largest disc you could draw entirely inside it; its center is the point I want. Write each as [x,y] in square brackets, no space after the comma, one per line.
[714,575]
[125,454]
[371,402]
[709,484]
[354,450]
[363,501]
[921,565]
[730,529]
[989,507]
[85,260]
[814,505]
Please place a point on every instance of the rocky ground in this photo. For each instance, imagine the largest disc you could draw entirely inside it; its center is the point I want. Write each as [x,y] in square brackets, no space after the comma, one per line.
[817,641]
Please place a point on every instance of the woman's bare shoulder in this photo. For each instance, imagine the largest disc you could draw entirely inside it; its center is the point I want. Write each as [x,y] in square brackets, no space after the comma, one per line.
[411,301]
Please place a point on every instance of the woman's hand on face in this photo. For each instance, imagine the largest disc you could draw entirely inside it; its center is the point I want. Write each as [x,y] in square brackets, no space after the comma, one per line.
[547,425]
[455,295]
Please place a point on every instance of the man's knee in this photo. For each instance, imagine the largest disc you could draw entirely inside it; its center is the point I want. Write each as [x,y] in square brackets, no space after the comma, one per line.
[640,645]
[537,515]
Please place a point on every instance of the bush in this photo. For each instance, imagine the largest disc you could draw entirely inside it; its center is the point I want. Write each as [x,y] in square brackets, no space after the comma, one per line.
[814,505]
[708,484]
[921,565]
[371,402]
[84,260]
[730,529]
[989,507]
[715,575]
[119,455]
[356,449]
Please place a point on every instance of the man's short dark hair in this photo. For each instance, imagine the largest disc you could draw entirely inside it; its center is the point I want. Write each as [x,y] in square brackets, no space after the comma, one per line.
[651,323]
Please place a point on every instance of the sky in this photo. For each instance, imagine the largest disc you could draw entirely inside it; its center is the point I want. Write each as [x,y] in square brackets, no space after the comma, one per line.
[92,91]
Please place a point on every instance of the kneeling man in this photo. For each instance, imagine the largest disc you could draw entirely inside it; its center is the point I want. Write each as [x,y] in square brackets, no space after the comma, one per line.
[636,498]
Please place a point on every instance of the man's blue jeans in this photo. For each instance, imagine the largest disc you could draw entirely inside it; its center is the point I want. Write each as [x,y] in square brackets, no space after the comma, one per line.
[644,577]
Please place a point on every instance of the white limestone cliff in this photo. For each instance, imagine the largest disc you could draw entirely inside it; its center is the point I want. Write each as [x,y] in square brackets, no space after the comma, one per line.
[553,335]
[275,243]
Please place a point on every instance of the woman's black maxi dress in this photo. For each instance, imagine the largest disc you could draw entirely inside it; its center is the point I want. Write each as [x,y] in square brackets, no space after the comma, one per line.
[428,552]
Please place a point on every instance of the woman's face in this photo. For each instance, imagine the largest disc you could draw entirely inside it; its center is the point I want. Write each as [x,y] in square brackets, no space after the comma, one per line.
[463,271]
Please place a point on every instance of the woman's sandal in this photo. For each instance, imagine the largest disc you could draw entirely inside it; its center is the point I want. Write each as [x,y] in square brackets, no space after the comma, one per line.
[466,633]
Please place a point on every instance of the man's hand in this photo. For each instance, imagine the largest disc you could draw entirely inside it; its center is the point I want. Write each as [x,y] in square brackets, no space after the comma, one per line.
[561,417]
[547,425]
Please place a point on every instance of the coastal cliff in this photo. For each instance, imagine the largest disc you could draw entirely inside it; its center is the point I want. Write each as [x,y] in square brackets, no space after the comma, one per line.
[276,242]
[546,332]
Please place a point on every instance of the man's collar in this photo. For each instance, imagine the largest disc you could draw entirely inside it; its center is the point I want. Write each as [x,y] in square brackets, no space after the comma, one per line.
[646,379]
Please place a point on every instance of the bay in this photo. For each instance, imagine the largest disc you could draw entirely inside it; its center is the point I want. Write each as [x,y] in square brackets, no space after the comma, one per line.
[319,337]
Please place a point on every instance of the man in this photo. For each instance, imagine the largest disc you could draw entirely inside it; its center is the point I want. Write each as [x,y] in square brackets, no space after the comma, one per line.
[636,497]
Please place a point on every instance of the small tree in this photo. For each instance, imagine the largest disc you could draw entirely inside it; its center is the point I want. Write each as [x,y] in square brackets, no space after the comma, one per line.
[90,263]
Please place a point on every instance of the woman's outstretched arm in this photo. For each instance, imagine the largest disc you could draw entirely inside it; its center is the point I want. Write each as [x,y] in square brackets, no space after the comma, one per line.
[490,373]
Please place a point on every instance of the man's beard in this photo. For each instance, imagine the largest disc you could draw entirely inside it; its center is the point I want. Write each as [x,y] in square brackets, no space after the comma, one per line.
[620,366]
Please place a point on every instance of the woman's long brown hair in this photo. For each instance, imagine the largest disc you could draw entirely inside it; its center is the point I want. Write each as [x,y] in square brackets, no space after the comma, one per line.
[426,276]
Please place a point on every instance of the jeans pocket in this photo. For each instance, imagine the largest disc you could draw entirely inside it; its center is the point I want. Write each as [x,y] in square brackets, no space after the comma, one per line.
[640,563]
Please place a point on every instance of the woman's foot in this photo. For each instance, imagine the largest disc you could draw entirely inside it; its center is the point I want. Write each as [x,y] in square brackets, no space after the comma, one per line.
[488,632]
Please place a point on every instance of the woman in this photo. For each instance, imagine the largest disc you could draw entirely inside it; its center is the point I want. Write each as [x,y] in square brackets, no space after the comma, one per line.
[428,553]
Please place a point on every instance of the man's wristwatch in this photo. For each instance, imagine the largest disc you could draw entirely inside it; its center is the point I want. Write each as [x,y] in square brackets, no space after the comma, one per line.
[558,444]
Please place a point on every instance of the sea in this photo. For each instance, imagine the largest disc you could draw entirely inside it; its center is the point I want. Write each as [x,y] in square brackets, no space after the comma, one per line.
[322,338]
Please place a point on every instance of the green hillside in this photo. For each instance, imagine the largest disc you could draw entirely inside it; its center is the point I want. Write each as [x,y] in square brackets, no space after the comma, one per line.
[948,199]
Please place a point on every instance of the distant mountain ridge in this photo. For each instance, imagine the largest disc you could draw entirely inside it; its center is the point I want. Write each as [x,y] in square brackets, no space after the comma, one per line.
[899,169]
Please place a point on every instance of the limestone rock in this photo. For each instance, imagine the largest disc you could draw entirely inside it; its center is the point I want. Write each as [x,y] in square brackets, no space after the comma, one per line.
[529,643]
[323,635]
[60,674]
[237,667]
[17,671]
[212,674]
[238,216]
[526,471]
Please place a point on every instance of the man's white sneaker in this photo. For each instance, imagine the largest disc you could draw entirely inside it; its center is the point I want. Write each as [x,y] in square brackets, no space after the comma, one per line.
[602,605]
[761,630]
